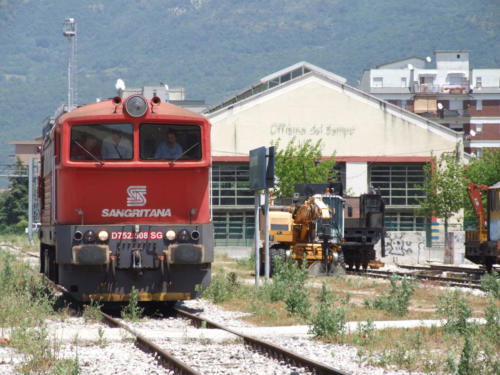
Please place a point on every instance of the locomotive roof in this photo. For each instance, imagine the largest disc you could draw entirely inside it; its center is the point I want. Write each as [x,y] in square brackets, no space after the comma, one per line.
[107,107]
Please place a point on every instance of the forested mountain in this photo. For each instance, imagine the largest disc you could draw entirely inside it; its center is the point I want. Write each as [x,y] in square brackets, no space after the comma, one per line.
[215,48]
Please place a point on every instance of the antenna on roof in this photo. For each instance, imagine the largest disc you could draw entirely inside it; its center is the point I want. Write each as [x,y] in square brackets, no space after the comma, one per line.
[120,85]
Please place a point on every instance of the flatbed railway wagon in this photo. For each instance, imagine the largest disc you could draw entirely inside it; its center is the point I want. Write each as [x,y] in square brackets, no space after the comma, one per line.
[124,190]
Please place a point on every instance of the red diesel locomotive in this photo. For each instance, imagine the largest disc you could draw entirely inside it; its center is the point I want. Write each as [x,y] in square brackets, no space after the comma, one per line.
[124,190]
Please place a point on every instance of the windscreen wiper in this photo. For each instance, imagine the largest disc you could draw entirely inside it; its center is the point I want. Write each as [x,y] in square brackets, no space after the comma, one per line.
[184,153]
[88,152]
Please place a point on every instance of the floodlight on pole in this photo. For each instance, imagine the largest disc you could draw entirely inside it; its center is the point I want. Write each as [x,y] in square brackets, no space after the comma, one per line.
[69,31]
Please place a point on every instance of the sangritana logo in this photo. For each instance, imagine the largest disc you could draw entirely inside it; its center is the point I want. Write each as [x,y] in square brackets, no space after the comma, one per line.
[136,196]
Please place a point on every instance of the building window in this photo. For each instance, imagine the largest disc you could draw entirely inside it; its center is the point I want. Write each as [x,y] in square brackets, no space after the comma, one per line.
[479,82]
[404,221]
[378,81]
[233,228]
[479,105]
[479,128]
[230,185]
[398,183]
[403,82]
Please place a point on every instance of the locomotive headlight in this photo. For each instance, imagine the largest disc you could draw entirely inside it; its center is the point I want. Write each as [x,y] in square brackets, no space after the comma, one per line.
[183,235]
[89,236]
[170,234]
[136,106]
[103,235]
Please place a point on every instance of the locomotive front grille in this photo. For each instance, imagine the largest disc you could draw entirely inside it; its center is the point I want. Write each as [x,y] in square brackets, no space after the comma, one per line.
[91,255]
[186,254]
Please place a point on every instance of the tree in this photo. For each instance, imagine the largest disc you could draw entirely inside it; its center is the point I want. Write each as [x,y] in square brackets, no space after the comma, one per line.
[299,163]
[483,171]
[14,202]
[444,186]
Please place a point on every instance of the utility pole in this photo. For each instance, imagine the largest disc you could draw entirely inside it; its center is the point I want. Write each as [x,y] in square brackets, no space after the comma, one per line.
[69,31]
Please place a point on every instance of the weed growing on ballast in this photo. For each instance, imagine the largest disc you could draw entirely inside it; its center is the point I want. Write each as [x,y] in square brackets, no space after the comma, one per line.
[289,285]
[398,299]
[453,307]
[491,284]
[132,310]
[223,287]
[327,322]
[92,311]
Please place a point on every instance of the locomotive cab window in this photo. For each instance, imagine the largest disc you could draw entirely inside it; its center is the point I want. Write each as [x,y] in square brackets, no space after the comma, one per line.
[170,142]
[102,142]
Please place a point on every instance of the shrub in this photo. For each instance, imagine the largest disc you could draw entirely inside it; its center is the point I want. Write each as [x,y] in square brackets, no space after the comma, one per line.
[40,353]
[492,326]
[327,322]
[247,263]
[35,345]
[297,301]
[491,284]
[289,285]
[365,333]
[453,307]
[222,288]
[398,300]
[23,295]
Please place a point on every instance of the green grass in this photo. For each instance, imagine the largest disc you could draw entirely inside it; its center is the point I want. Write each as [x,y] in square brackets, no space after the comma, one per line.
[439,350]
[25,304]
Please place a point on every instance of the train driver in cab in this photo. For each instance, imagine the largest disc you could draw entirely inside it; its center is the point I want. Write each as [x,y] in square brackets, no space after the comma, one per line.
[169,149]
[85,148]
[116,146]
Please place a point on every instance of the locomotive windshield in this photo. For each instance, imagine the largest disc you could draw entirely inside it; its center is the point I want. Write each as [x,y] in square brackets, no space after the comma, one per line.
[170,142]
[102,142]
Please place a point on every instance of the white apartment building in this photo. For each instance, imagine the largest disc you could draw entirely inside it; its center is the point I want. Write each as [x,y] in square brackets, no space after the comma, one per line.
[444,89]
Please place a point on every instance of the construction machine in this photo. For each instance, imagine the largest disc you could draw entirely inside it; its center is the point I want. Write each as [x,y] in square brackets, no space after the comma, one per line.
[482,246]
[308,228]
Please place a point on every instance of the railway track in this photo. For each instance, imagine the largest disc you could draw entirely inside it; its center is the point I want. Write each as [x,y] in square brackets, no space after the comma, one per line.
[166,359]
[422,276]
[251,344]
[267,348]
[172,362]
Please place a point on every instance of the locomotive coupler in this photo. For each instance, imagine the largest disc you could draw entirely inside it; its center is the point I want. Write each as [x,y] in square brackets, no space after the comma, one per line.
[136,258]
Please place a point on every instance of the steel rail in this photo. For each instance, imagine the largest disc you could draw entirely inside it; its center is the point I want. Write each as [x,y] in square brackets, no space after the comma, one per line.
[445,268]
[260,346]
[451,281]
[166,359]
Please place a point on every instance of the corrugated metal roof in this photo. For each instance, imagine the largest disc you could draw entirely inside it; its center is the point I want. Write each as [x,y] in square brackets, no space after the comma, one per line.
[276,79]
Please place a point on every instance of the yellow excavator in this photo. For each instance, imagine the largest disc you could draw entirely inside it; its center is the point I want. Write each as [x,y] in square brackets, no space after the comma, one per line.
[309,227]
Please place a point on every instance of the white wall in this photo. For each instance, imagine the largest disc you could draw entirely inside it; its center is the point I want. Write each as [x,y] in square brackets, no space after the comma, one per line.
[356,178]
[407,247]
[348,122]
[392,77]
[489,77]
[450,61]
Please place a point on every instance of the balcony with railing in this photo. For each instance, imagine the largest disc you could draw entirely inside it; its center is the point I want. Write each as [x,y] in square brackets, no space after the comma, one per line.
[447,88]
